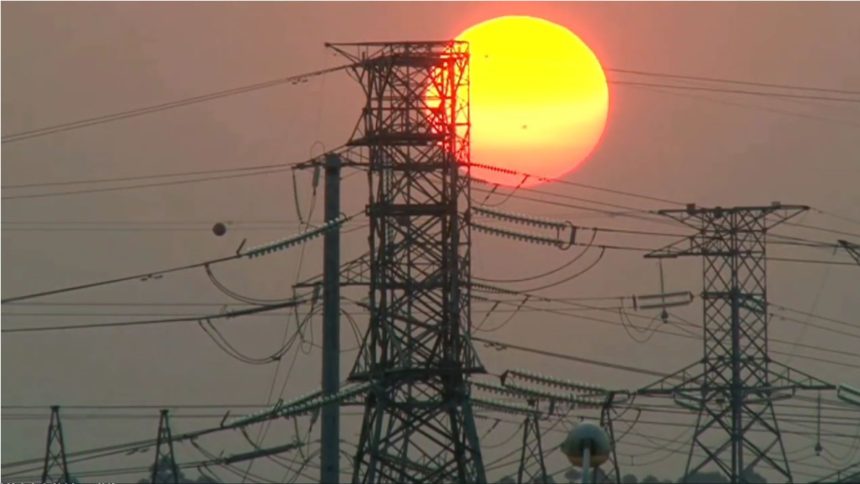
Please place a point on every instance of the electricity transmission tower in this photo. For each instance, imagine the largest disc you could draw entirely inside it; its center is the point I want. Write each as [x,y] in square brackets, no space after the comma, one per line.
[532,468]
[416,356]
[55,469]
[735,384]
[164,454]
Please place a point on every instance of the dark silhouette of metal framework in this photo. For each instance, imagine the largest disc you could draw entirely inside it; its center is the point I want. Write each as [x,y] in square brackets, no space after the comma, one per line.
[532,468]
[55,469]
[164,453]
[735,384]
[852,249]
[416,355]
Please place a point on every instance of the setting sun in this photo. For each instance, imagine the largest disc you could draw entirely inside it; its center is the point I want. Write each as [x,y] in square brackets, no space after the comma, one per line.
[539,99]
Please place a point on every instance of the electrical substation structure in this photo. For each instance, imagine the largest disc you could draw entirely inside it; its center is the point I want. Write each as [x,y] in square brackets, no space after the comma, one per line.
[734,385]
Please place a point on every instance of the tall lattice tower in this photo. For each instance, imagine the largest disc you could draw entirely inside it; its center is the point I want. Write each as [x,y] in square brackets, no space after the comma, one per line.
[56,469]
[735,384]
[164,469]
[417,355]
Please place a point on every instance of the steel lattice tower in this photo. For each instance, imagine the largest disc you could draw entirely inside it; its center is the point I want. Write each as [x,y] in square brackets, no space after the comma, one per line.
[532,468]
[165,460]
[733,387]
[417,355]
[55,468]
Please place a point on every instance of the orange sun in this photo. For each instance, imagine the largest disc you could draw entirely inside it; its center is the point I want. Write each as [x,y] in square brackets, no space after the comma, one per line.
[538,99]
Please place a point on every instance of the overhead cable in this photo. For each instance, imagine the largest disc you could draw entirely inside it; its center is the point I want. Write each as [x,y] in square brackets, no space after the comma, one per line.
[107,118]
[251,253]
[186,319]
[731,81]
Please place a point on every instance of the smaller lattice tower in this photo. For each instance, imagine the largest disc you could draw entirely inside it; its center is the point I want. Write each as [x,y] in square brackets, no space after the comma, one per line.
[734,385]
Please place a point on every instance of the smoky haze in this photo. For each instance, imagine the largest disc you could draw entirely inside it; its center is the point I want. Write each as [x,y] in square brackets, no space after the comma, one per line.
[69,61]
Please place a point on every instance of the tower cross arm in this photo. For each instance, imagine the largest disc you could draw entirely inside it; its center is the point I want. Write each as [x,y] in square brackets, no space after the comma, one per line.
[852,249]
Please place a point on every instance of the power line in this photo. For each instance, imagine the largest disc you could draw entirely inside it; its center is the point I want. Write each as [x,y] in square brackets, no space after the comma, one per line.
[822,229]
[82,123]
[630,214]
[576,184]
[107,118]
[143,277]
[755,107]
[816,316]
[140,406]
[143,185]
[144,229]
[187,319]
[605,364]
[732,81]
[158,274]
[144,177]
[580,207]
[524,309]
[564,312]
[737,91]
[810,261]
[838,217]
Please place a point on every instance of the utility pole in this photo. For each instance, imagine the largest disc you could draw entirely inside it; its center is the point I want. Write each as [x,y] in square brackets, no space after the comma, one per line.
[416,356]
[55,469]
[735,384]
[330,428]
[164,455]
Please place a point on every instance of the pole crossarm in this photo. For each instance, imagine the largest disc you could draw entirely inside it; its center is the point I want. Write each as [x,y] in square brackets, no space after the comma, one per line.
[691,379]
[707,221]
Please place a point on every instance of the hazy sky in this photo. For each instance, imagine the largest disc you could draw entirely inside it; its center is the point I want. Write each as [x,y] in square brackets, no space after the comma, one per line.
[67,61]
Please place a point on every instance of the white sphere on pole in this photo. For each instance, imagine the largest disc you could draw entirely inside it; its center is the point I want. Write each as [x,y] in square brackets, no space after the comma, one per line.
[590,435]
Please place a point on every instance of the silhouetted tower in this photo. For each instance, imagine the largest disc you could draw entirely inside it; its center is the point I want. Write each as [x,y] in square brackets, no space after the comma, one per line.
[56,469]
[606,417]
[734,385]
[164,470]
[414,137]
[531,468]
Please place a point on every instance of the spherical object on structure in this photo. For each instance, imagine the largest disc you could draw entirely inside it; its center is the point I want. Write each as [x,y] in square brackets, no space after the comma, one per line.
[219,229]
[586,434]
